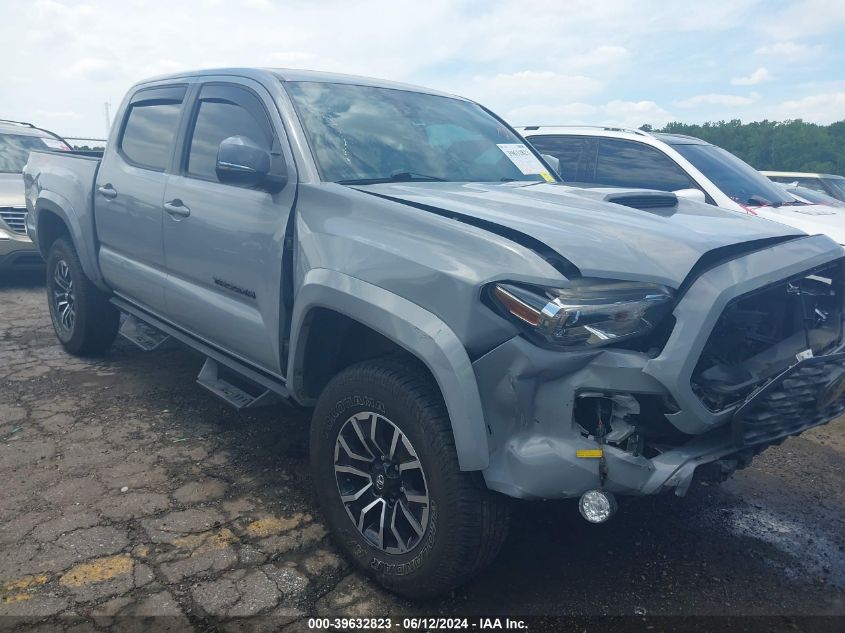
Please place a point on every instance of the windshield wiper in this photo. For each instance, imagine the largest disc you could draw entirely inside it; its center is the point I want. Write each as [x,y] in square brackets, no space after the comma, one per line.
[763,202]
[399,176]
[403,176]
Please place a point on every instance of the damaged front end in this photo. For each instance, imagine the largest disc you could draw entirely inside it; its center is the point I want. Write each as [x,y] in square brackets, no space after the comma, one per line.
[752,357]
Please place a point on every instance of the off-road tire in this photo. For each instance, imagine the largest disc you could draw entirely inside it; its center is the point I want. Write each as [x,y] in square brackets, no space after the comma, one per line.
[96,321]
[467,523]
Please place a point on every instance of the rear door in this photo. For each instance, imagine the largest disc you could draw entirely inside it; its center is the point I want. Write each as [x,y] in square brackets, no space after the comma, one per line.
[129,193]
[629,164]
[224,243]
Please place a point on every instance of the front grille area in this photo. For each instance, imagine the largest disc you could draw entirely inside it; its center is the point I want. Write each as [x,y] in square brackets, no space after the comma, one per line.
[14,218]
[809,394]
[761,334]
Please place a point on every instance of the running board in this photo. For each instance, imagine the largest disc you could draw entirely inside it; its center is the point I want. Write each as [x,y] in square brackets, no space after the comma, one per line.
[143,335]
[247,395]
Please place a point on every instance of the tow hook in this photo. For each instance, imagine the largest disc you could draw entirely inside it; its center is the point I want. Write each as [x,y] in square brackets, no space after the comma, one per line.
[597,506]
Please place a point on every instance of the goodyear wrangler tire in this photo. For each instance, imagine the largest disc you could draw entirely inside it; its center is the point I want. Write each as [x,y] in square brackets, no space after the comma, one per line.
[386,474]
[85,322]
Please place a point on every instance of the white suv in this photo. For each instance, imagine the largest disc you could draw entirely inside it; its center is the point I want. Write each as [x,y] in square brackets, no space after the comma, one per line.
[691,167]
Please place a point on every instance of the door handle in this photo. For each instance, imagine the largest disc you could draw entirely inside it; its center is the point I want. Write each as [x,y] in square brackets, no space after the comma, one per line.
[176,209]
[107,191]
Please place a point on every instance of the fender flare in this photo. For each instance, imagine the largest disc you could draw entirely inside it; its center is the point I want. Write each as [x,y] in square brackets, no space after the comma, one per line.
[60,206]
[411,327]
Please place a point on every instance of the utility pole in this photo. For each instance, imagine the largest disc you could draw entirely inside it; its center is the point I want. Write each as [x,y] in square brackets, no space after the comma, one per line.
[106,105]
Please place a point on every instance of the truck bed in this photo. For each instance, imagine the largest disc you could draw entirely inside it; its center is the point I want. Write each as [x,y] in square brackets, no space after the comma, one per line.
[63,181]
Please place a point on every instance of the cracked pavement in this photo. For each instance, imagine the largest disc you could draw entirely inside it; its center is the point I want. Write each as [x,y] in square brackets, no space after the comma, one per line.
[130,492]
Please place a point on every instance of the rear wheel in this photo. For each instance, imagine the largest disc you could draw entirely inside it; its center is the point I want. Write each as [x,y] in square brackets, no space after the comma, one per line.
[387,476]
[83,319]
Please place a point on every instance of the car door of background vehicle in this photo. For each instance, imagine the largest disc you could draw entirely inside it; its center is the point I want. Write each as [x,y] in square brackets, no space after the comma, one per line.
[224,247]
[130,189]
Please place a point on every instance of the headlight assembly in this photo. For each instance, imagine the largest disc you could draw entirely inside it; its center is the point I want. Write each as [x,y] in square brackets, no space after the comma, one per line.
[590,313]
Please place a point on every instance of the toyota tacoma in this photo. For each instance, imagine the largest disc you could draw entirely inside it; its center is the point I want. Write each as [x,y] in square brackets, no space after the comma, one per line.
[466,328]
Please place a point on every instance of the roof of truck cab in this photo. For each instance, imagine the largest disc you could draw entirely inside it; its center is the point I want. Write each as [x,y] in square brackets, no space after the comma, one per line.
[293,74]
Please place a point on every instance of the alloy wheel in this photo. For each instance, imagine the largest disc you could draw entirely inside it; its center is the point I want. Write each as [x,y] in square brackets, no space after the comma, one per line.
[64,300]
[381,482]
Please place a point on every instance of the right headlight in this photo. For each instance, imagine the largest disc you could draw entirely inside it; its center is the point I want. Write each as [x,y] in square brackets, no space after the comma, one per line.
[590,313]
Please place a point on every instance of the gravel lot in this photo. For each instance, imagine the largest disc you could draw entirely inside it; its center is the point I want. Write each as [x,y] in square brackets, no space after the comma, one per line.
[129,491]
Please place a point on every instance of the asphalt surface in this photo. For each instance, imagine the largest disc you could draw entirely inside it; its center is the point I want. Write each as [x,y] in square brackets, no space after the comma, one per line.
[128,491]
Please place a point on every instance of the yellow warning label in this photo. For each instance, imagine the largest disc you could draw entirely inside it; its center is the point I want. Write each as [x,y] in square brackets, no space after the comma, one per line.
[589,453]
[546,176]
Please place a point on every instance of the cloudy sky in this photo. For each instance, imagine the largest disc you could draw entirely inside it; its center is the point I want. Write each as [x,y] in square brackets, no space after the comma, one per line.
[580,61]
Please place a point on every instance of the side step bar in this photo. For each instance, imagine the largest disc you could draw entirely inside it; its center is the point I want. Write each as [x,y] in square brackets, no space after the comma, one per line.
[144,336]
[237,396]
[230,369]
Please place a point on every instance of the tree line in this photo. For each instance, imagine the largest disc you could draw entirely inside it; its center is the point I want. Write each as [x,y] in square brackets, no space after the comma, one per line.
[776,145]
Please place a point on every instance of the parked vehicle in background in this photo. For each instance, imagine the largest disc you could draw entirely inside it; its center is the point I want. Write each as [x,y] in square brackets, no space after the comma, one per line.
[17,139]
[465,328]
[831,184]
[671,162]
[812,196]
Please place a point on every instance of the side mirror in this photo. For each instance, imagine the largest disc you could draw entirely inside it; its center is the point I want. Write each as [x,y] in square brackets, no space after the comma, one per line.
[554,162]
[240,161]
[691,194]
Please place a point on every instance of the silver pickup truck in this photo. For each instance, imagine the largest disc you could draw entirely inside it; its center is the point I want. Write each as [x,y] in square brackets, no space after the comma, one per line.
[466,327]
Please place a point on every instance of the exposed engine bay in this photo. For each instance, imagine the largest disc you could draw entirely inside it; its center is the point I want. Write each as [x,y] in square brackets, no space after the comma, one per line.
[765,332]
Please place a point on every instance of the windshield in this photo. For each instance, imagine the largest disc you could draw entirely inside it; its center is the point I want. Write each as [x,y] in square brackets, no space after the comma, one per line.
[15,148]
[837,185]
[735,178]
[811,195]
[363,134]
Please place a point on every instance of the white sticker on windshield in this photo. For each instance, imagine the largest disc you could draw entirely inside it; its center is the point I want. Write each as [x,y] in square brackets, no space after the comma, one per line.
[522,157]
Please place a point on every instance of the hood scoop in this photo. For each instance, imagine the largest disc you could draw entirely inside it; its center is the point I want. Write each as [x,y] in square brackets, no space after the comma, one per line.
[644,200]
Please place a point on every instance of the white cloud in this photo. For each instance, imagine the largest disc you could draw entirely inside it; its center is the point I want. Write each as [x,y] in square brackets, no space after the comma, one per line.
[92,68]
[620,113]
[634,114]
[563,114]
[290,58]
[808,18]
[717,99]
[54,114]
[789,51]
[819,108]
[606,57]
[758,76]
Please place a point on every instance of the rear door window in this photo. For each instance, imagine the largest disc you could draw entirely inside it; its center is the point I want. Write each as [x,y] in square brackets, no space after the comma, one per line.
[150,128]
[631,164]
[577,154]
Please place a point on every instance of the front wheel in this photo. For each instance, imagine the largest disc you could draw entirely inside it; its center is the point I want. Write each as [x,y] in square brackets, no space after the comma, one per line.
[387,477]
[84,320]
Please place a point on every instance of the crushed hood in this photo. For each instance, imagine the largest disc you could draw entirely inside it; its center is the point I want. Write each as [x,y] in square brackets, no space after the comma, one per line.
[12,190]
[600,238]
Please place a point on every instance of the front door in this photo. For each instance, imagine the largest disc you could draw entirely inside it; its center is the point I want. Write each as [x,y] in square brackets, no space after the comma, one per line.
[224,243]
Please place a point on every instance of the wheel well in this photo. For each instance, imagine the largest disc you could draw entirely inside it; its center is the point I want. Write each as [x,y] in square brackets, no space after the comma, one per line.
[50,228]
[336,341]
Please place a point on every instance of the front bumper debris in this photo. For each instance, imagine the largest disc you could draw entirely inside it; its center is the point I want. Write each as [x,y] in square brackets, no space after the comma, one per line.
[531,395]
[808,394]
